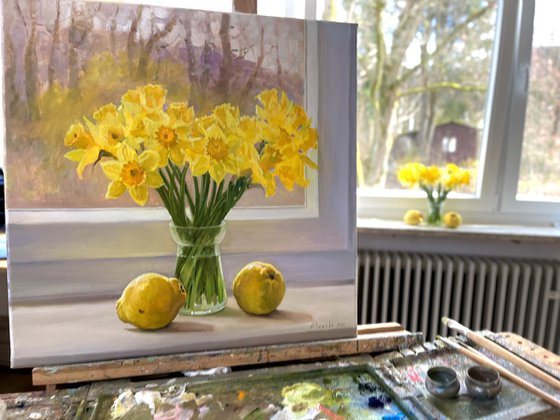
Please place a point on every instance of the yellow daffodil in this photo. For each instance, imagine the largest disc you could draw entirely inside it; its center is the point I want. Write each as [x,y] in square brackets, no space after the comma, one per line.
[456,176]
[145,101]
[133,173]
[169,134]
[289,136]
[112,129]
[263,173]
[250,137]
[431,175]
[220,146]
[410,174]
[141,135]
[447,178]
[227,116]
[86,150]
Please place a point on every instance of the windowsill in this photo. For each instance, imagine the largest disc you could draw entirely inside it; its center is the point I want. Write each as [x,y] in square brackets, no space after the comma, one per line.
[514,233]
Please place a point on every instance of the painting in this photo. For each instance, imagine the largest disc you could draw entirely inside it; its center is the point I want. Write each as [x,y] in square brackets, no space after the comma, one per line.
[79,228]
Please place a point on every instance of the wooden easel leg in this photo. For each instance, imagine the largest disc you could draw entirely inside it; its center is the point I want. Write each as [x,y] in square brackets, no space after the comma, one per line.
[50,388]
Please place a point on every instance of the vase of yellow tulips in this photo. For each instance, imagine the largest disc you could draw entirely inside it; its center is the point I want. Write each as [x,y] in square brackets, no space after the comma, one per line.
[436,182]
[199,166]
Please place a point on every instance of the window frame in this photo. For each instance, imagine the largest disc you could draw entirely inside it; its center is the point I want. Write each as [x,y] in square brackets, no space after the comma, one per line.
[501,142]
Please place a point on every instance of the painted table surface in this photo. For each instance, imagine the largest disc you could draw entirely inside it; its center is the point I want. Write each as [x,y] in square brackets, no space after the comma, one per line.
[389,386]
[50,329]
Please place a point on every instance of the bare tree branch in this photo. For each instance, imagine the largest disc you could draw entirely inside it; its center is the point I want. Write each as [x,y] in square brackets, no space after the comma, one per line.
[445,41]
[152,41]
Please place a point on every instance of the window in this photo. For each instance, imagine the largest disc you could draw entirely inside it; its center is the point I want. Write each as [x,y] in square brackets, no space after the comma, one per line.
[449,145]
[475,83]
[538,173]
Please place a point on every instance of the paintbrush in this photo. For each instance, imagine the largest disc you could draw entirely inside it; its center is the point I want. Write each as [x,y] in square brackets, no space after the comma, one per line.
[485,361]
[500,351]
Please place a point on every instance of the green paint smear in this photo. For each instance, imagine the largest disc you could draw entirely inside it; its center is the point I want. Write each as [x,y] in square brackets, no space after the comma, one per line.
[303,395]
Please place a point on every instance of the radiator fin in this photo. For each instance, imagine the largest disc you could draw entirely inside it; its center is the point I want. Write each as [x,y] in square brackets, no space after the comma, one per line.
[499,294]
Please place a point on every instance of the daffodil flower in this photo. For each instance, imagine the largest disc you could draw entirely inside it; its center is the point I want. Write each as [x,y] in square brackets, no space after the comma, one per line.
[169,134]
[289,136]
[144,102]
[86,150]
[221,143]
[133,173]
[219,155]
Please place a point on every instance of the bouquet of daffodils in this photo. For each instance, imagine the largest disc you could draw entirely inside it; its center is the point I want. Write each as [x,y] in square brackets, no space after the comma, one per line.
[200,166]
[436,182]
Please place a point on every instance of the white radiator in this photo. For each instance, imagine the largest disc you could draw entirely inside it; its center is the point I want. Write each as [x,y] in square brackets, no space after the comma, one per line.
[416,290]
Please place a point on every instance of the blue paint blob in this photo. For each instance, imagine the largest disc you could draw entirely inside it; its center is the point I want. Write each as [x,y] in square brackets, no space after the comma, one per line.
[398,416]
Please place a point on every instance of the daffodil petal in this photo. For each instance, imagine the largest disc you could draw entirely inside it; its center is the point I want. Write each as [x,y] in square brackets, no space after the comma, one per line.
[177,156]
[200,166]
[154,180]
[75,155]
[217,172]
[139,194]
[126,153]
[149,159]
[90,156]
[112,169]
[309,162]
[115,189]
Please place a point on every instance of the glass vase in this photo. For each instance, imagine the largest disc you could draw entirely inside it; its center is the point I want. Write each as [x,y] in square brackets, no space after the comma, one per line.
[199,267]
[435,212]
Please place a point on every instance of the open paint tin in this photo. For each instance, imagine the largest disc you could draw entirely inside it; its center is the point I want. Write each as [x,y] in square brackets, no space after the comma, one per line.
[483,382]
[442,382]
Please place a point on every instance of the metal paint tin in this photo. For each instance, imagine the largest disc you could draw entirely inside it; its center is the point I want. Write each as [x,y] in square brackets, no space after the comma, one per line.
[483,382]
[442,382]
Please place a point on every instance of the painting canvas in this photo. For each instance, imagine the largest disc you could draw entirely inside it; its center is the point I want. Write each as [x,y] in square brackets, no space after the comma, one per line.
[71,252]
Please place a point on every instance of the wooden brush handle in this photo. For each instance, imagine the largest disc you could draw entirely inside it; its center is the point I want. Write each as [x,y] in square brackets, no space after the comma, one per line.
[513,358]
[485,361]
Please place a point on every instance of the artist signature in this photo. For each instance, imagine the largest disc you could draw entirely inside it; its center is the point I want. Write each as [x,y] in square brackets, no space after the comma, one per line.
[328,325]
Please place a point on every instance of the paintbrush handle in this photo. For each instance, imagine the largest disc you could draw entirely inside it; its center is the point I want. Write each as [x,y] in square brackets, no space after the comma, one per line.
[483,360]
[513,358]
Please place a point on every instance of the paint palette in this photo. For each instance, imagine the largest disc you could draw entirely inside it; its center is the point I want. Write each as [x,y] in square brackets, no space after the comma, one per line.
[389,387]
[347,389]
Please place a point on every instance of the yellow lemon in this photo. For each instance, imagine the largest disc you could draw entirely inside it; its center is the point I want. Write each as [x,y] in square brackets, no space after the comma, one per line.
[259,288]
[413,217]
[151,301]
[452,219]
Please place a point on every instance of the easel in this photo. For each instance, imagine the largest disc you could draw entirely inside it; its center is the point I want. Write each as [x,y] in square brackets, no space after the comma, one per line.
[371,338]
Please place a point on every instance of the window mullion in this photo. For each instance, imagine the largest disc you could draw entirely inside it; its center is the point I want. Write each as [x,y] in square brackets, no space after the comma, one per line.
[513,142]
[496,127]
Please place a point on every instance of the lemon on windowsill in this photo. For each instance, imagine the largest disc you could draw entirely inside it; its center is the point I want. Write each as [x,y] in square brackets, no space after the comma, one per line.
[452,219]
[413,217]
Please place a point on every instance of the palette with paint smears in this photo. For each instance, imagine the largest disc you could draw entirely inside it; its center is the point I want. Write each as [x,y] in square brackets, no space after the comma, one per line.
[388,387]
[337,390]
